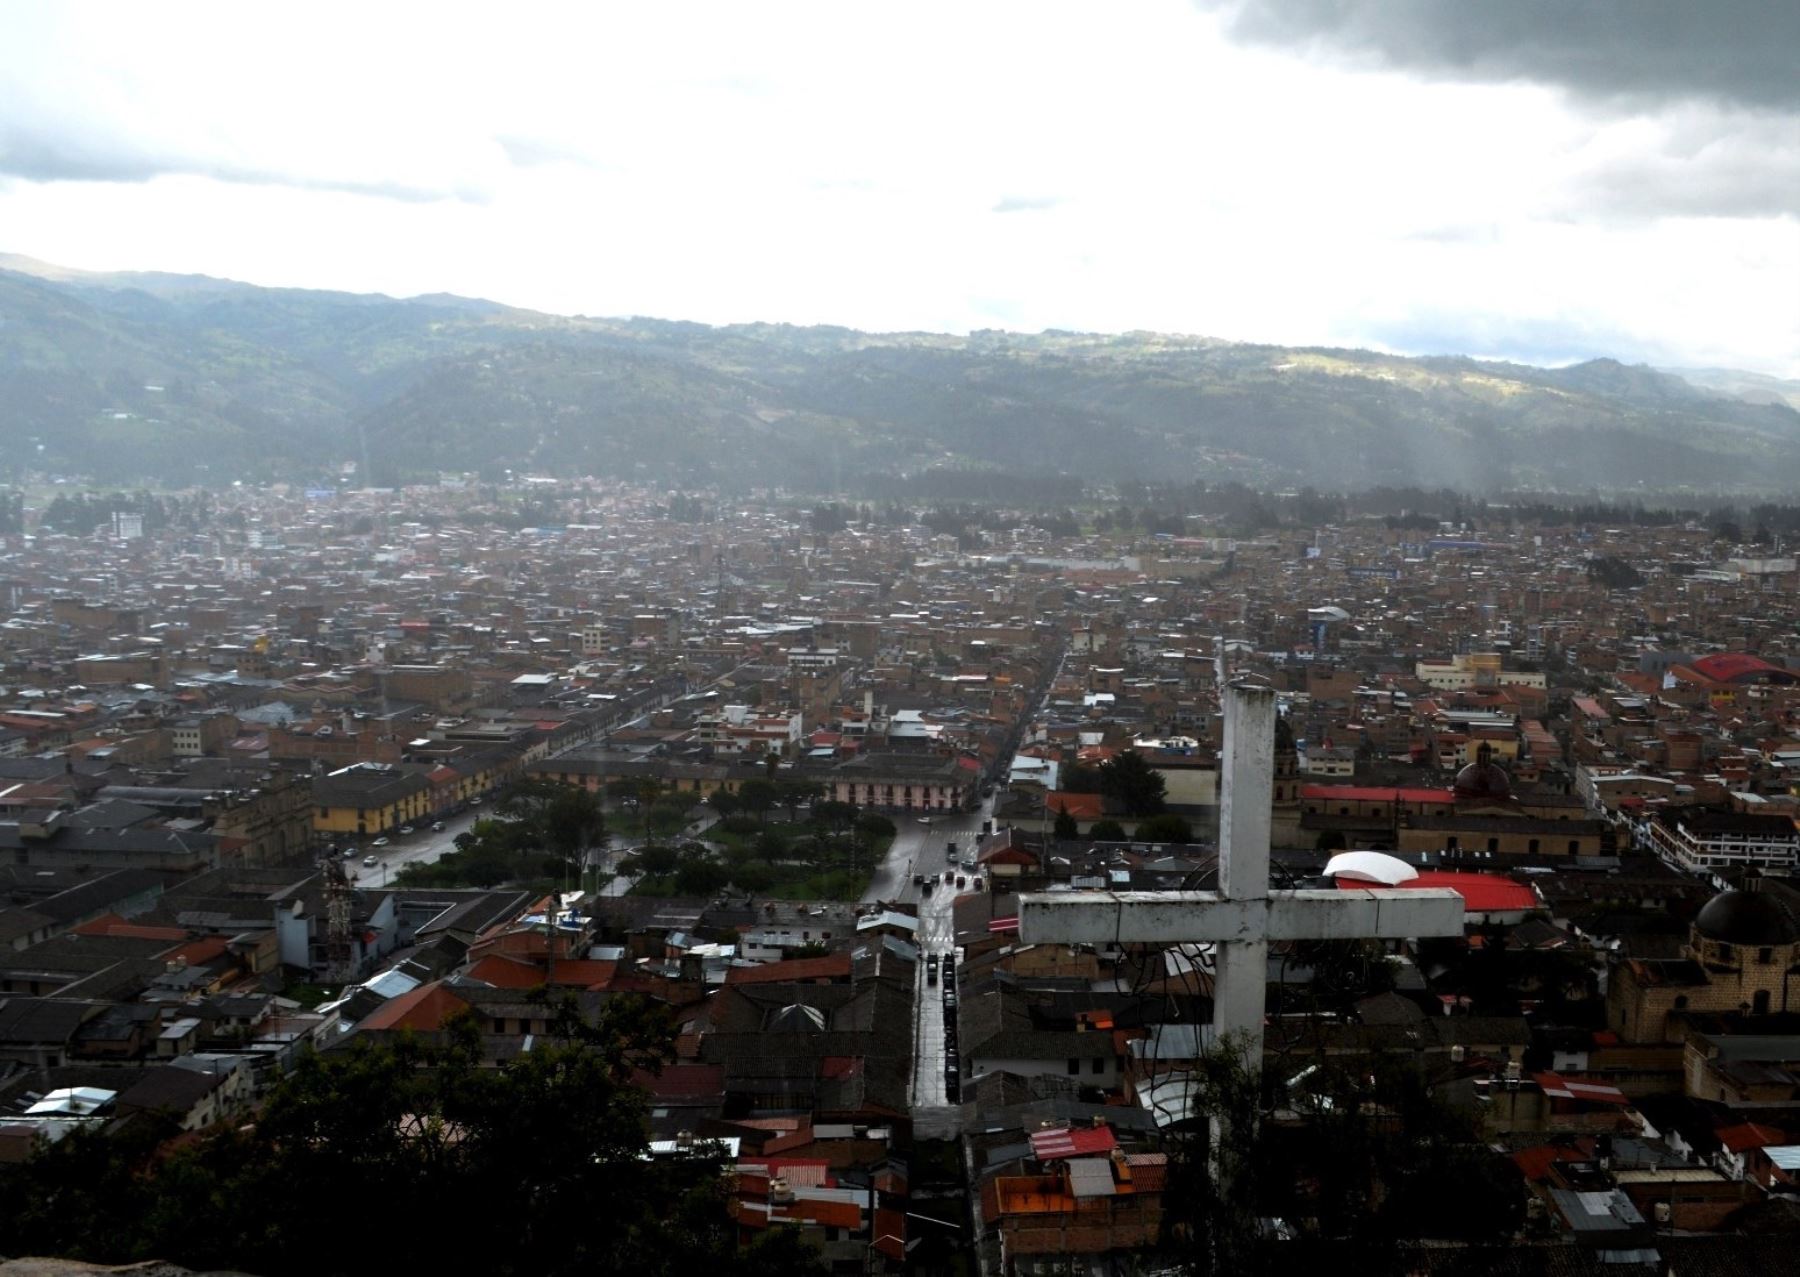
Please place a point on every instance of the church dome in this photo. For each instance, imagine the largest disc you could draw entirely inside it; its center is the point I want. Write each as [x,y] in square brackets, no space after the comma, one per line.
[1747,918]
[1483,780]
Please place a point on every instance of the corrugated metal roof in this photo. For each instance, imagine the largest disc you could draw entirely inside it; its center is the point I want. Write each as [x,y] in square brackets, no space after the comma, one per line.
[1078,1141]
[1091,1177]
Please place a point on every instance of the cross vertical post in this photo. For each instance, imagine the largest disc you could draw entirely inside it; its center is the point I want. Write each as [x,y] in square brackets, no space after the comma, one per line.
[1240,970]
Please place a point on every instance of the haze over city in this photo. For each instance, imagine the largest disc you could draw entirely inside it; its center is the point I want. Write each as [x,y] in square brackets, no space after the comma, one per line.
[982,640]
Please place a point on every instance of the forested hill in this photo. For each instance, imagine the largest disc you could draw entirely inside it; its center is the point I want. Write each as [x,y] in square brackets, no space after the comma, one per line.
[144,376]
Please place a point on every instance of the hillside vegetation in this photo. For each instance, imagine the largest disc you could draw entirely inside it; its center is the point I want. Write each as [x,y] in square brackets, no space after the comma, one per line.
[131,376]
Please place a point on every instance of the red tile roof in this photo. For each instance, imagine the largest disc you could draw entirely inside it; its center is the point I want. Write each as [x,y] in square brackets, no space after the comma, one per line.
[1080,806]
[507,973]
[425,1008]
[111,924]
[1733,667]
[1749,1135]
[1481,893]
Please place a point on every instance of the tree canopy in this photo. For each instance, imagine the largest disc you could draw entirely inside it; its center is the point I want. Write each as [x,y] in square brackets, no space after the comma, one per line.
[1128,780]
[539,1166]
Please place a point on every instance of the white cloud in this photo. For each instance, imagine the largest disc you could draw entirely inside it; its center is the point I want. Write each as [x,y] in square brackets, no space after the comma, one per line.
[900,166]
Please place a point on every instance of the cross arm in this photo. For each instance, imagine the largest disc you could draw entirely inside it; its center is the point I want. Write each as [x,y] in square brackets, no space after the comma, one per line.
[1173,917]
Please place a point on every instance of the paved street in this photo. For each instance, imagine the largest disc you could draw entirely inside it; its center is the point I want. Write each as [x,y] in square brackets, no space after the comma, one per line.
[919,848]
[937,934]
[421,847]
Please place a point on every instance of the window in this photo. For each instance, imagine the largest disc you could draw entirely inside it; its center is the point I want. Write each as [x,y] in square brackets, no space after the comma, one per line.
[1100,1064]
[1493,845]
[1450,843]
[1574,847]
[1759,1005]
[1765,955]
[1680,1002]
[1074,1065]
[1532,847]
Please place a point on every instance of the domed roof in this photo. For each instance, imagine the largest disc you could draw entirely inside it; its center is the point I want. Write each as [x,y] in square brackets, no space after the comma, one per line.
[1747,917]
[1483,780]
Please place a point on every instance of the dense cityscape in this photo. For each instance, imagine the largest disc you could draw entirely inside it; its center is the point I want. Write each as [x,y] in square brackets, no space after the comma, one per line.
[294,777]
[1032,639]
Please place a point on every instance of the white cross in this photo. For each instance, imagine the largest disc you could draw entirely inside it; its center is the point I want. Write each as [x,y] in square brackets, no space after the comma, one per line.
[1243,915]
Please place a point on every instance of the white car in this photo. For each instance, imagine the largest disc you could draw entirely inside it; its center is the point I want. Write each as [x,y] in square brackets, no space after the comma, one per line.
[406,829]
[380,842]
[369,862]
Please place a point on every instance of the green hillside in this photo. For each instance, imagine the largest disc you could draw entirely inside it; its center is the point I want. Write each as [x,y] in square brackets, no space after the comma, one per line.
[144,376]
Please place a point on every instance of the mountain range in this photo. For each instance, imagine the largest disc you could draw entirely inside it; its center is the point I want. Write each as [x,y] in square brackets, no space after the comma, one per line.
[130,377]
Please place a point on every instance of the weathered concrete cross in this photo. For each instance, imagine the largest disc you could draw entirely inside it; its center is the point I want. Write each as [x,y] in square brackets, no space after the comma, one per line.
[1243,915]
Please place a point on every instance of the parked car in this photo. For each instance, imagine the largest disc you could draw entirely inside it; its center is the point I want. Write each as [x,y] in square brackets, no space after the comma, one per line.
[349,853]
[437,826]
[961,881]
[381,842]
[406,829]
[918,880]
[369,862]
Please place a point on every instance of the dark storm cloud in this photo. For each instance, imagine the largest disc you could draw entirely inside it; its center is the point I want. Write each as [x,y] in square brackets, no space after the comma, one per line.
[1742,52]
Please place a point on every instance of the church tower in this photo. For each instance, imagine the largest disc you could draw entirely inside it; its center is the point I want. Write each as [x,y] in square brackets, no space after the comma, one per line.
[1284,826]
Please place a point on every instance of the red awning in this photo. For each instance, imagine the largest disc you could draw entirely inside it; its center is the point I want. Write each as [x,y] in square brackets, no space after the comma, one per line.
[1003,925]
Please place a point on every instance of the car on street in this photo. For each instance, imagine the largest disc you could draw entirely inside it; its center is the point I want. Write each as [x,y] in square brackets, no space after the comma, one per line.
[349,853]
[918,880]
[381,842]
[437,826]
[961,881]
[369,862]
[406,829]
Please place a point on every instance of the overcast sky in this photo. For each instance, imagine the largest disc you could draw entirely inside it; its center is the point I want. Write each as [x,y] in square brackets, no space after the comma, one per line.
[1534,179]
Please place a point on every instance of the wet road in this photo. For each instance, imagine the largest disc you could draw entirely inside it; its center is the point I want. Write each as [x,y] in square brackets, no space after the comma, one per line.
[919,848]
[421,847]
[937,934]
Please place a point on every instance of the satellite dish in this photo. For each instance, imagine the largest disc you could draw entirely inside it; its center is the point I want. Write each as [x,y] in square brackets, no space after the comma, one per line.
[1370,866]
